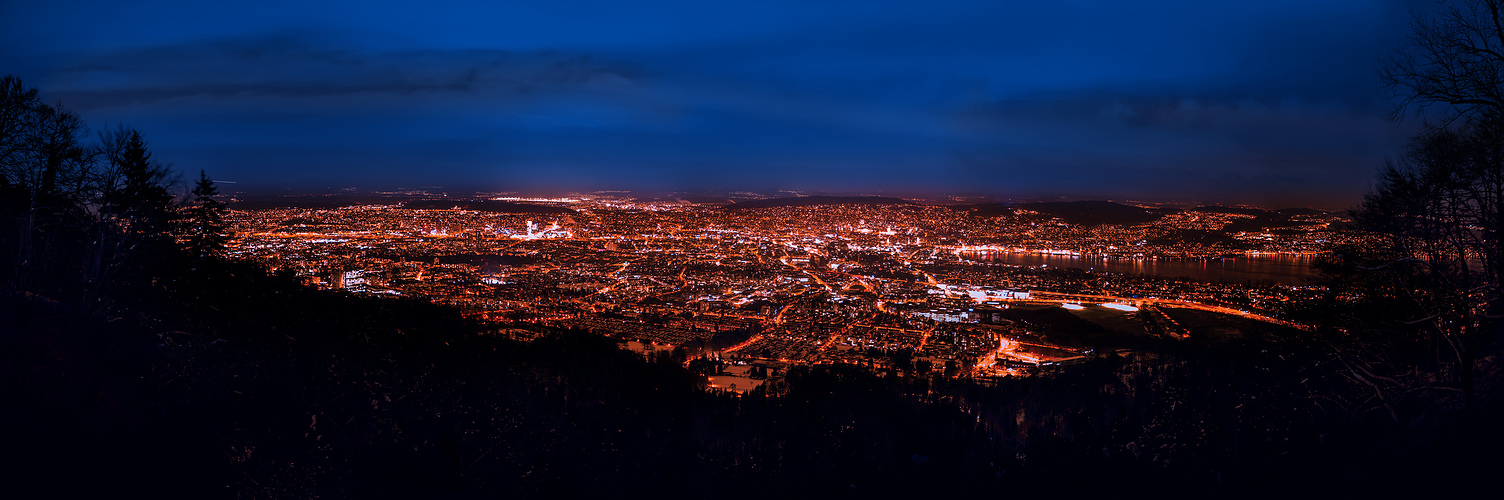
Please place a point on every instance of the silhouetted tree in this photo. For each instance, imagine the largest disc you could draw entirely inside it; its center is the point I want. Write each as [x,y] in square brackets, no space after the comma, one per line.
[135,218]
[1438,213]
[16,103]
[1455,58]
[1436,267]
[45,171]
[80,220]
[135,187]
[203,233]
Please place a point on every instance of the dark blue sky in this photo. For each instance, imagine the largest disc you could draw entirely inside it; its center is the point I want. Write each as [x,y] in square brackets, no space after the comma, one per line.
[1269,102]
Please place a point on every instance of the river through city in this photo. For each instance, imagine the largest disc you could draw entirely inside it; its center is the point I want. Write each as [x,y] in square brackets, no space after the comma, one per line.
[1282,269]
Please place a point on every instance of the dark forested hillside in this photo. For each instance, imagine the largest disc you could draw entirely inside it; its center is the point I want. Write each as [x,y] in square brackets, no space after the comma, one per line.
[277,390]
[1088,213]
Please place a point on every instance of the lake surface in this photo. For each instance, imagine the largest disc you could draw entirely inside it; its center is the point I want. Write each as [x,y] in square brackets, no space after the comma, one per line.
[1282,269]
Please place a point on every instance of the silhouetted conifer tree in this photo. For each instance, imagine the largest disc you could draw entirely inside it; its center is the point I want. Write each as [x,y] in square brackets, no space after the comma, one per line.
[203,234]
[143,200]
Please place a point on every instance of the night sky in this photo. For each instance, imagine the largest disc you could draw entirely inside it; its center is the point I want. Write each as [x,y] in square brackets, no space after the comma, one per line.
[1271,101]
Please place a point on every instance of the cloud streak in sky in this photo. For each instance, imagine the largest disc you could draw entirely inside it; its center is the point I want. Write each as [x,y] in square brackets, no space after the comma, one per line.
[1256,102]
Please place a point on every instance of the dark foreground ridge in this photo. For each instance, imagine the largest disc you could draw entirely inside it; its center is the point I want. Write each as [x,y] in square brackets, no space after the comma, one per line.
[811,201]
[260,387]
[244,383]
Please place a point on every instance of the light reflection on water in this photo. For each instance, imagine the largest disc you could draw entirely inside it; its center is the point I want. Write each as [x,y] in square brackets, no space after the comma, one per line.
[1282,269]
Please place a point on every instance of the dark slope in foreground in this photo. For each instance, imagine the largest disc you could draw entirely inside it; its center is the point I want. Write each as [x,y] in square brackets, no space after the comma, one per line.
[275,390]
[810,201]
[297,393]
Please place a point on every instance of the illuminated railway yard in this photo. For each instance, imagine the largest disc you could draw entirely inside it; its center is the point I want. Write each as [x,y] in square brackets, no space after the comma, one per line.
[890,287]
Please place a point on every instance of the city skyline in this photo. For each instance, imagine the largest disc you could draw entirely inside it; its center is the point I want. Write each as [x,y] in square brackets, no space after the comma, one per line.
[774,249]
[784,282]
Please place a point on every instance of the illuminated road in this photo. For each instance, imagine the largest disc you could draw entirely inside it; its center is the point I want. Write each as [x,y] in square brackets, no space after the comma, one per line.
[924,338]
[1049,297]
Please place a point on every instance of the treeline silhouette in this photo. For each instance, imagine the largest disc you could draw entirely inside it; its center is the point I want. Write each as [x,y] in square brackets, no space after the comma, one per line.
[135,358]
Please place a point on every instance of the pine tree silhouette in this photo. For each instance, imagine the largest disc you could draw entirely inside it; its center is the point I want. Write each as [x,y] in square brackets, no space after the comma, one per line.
[203,232]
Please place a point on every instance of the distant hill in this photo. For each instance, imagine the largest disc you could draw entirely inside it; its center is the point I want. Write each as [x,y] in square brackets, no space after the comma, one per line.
[1262,219]
[500,207]
[1262,223]
[706,199]
[1233,210]
[1091,213]
[1300,211]
[810,201]
[987,209]
[1088,213]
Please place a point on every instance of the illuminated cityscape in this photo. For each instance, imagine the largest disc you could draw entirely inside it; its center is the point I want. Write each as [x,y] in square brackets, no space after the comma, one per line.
[772,249]
[891,284]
